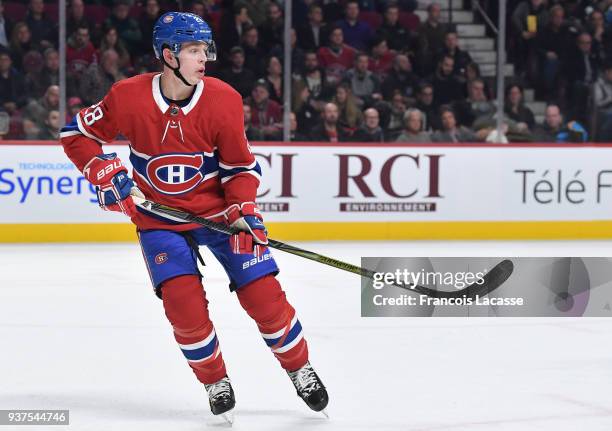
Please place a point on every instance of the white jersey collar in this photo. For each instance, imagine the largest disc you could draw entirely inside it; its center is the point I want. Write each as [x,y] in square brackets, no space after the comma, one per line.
[161,103]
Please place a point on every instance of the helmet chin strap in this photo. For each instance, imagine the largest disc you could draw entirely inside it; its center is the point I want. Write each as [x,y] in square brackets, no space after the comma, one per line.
[177,71]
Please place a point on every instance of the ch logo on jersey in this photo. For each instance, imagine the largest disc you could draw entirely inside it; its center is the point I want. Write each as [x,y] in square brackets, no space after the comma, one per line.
[173,174]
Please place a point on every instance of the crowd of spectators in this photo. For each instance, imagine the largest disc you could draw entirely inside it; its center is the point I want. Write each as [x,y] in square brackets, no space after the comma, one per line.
[362,70]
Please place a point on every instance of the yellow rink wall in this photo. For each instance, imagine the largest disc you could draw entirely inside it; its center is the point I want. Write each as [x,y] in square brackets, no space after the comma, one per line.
[112,232]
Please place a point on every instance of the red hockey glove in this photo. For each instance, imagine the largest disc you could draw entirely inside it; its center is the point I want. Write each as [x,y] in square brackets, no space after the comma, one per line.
[252,237]
[113,185]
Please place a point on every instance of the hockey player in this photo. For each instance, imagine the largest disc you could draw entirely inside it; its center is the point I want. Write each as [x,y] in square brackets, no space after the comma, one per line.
[188,150]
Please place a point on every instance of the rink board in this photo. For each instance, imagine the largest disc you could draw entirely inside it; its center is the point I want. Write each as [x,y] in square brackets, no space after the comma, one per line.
[348,192]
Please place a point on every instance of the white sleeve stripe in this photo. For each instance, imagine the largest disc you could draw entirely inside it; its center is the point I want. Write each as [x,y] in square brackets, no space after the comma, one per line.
[229,167]
[255,174]
[141,155]
[83,131]
[70,133]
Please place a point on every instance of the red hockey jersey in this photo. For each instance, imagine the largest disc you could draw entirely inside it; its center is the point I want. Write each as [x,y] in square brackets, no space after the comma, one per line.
[195,158]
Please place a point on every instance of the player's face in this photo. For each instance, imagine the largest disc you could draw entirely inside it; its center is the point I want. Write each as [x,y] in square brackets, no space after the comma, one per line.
[193,58]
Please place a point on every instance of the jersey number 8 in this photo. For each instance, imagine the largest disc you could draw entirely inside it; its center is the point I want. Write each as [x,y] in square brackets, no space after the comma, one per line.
[93,116]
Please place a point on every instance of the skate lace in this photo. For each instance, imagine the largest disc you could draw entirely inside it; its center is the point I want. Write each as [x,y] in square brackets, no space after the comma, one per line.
[305,380]
[221,389]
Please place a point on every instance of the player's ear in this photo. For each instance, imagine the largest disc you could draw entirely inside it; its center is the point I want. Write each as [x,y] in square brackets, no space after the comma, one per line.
[169,56]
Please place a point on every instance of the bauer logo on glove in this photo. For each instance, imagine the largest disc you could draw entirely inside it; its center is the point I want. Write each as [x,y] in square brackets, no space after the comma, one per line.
[113,186]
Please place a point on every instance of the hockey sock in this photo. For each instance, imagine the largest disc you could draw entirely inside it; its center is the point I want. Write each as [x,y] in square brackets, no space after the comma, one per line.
[265,301]
[186,307]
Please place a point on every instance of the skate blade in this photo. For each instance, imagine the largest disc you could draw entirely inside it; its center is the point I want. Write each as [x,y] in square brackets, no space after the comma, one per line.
[228,417]
[324,411]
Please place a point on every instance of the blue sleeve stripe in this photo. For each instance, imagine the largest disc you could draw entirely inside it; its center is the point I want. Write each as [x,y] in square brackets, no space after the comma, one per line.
[71,127]
[225,173]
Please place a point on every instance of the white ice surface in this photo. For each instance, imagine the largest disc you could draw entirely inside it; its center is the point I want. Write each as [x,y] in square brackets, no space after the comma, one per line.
[81,330]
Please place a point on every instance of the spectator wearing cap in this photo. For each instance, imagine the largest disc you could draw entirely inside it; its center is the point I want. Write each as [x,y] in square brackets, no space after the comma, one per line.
[12,86]
[413,128]
[370,130]
[254,54]
[431,39]
[97,79]
[80,52]
[401,78]
[364,85]
[451,130]
[447,87]
[38,82]
[328,129]
[233,24]
[6,25]
[336,58]
[37,111]
[147,21]
[314,33]
[397,36]
[127,27]
[356,33]
[266,114]
[44,31]
[237,75]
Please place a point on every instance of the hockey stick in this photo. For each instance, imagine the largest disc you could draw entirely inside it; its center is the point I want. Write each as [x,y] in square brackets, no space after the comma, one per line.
[491,281]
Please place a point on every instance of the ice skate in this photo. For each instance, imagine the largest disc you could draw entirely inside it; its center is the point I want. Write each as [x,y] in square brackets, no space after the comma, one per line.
[221,398]
[310,388]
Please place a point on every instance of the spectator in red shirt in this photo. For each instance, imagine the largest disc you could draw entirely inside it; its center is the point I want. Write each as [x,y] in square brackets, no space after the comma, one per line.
[80,52]
[381,60]
[336,58]
[267,115]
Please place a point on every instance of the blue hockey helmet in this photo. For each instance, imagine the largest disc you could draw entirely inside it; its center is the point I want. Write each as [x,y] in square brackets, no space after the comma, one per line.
[173,29]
